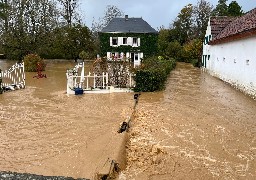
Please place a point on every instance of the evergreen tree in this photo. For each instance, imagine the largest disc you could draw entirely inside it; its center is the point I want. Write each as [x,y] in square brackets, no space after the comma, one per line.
[221,9]
[234,9]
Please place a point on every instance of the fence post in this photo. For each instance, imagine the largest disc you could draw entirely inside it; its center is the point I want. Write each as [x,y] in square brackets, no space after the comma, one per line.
[94,84]
[107,80]
[130,80]
[103,80]
[87,80]
[1,90]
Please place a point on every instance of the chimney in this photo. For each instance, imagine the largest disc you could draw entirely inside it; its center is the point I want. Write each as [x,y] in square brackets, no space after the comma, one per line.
[126,17]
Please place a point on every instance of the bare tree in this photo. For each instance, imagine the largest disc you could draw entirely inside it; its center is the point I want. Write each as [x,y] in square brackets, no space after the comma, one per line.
[110,13]
[68,11]
[201,12]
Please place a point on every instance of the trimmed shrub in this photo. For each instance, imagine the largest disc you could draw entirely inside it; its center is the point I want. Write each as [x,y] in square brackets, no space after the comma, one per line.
[32,62]
[153,73]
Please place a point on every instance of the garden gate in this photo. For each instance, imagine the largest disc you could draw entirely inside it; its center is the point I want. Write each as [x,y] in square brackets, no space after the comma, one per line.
[106,77]
[13,78]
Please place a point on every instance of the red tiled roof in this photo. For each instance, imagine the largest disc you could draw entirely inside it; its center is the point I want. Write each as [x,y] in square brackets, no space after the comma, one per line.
[237,27]
[218,23]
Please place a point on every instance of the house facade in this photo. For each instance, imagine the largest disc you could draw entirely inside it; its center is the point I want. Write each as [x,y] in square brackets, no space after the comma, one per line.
[229,51]
[128,38]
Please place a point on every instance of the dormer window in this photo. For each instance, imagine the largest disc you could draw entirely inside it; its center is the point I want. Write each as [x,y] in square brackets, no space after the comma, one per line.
[114,41]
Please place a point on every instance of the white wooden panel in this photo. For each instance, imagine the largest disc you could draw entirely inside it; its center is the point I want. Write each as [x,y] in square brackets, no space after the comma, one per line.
[120,41]
[110,41]
[129,41]
[108,54]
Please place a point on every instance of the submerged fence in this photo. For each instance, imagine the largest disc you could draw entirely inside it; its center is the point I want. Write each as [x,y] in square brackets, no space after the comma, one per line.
[13,78]
[98,82]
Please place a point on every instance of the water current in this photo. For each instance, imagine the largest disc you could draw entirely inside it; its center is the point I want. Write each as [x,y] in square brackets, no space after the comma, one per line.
[197,128]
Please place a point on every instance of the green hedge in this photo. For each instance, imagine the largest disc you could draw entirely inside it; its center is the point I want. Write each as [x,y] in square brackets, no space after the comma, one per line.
[153,73]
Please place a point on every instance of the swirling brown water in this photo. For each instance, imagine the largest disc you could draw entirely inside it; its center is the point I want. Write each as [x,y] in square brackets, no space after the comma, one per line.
[44,131]
[198,128]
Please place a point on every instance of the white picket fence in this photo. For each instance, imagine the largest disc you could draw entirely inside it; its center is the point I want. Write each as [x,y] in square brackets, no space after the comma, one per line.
[92,83]
[13,78]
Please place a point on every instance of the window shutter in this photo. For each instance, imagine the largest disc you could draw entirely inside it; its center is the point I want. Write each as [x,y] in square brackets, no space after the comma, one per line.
[108,55]
[120,41]
[129,41]
[111,41]
[138,41]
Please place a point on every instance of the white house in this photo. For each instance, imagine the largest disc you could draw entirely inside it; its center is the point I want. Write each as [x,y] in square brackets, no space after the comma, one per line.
[127,38]
[229,50]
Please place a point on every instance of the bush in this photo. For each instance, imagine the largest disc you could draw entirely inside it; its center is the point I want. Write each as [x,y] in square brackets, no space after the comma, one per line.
[153,73]
[84,55]
[195,62]
[31,62]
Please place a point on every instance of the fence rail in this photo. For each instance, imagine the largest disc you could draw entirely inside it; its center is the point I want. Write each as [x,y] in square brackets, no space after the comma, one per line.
[92,82]
[13,78]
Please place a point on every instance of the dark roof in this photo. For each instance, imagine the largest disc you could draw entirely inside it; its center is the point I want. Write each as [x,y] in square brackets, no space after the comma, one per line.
[238,27]
[128,25]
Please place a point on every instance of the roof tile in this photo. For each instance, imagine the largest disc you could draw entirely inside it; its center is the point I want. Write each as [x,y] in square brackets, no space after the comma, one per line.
[238,25]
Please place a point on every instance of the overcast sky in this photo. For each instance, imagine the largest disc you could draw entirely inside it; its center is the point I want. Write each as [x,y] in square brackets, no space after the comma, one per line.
[156,12]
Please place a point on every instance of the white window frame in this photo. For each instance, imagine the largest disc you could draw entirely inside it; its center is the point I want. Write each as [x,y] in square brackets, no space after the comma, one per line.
[115,39]
[125,40]
[135,41]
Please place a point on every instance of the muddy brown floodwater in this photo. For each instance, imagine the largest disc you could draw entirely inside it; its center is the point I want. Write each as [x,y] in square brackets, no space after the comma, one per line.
[43,131]
[198,128]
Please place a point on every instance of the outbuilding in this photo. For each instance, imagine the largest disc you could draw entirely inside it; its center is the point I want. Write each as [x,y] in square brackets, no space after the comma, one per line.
[229,50]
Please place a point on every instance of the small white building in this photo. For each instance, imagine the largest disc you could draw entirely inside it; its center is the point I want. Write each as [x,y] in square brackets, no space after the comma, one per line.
[229,50]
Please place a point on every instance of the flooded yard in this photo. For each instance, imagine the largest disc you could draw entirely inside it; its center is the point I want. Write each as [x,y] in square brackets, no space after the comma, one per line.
[43,131]
[198,128]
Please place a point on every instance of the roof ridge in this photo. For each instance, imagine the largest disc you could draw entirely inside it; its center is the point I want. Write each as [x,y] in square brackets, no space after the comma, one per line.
[128,25]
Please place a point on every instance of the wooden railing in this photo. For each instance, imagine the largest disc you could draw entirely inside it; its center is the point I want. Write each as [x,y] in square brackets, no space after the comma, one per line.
[13,78]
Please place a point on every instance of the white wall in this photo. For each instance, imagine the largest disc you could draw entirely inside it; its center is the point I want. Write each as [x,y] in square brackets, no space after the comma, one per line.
[235,63]
[206,47]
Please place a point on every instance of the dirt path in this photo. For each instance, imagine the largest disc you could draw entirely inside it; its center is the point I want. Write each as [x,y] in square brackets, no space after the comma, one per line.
[198,128]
